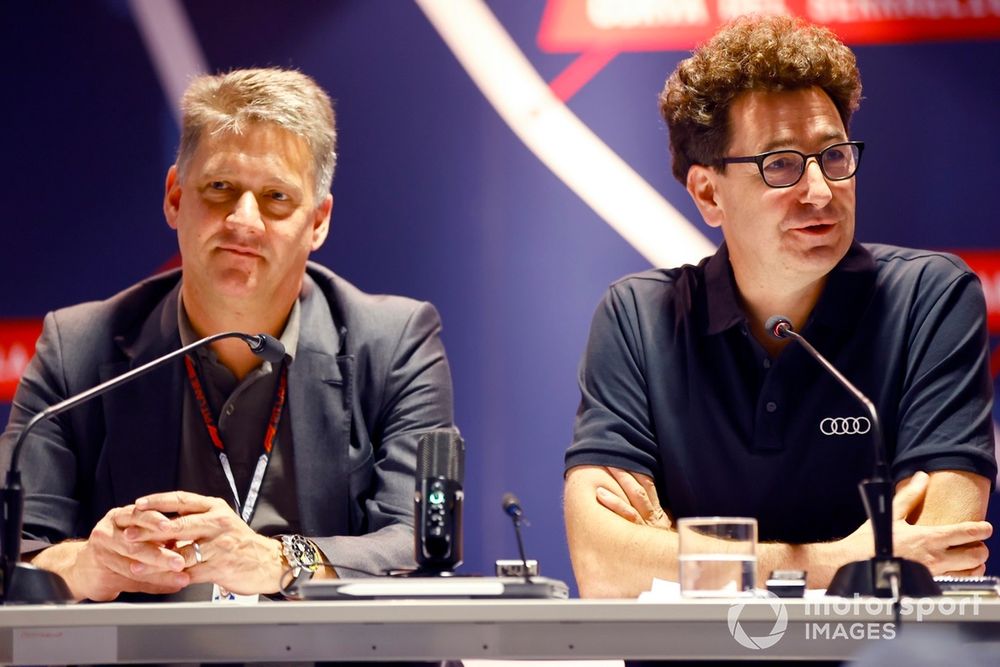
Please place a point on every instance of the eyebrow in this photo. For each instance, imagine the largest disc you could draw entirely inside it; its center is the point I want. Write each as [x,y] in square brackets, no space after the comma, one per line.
[270,181]
[832,136]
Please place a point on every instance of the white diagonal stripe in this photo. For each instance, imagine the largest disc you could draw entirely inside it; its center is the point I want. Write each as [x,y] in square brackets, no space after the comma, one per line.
[172,46]
[560,140]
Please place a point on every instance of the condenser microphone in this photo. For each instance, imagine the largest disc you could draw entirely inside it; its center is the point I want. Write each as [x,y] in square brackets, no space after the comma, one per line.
[20,582]
[438,502]
[884,575]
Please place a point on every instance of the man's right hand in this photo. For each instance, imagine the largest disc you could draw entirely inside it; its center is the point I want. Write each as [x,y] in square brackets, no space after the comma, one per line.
[107,563]
[955,548]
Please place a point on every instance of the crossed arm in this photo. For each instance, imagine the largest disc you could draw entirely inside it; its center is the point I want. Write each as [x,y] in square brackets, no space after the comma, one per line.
[620,539]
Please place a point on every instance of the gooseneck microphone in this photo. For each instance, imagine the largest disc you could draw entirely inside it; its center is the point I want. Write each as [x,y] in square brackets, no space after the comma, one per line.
[512,508]
[781,327]
[20,582]
[884,575]
[438,502]
[265,346]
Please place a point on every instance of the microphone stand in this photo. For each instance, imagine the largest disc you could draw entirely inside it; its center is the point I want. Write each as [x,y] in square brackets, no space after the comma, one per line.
[884,575]
[24,583]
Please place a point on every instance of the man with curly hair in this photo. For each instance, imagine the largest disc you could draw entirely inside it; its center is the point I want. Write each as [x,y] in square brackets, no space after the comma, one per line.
[690,408]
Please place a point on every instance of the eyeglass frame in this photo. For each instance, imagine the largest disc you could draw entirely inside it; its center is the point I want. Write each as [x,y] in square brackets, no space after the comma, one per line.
[760,157]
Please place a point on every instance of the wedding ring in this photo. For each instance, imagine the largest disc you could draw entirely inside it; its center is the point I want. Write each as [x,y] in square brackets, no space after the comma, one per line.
[197,553]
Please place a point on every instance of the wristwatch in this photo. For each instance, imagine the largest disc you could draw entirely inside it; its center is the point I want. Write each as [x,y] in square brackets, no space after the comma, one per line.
[304,558]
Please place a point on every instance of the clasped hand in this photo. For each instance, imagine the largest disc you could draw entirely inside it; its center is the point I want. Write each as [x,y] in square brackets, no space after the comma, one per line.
[167,541]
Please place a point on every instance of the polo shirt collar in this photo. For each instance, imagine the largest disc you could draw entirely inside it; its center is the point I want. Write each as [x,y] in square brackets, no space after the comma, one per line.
[721,296]
[847,292]
[289,336]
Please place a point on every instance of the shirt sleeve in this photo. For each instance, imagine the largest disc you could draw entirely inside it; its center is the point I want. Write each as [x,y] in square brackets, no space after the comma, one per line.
[48,459]
[945,411]
[613,425]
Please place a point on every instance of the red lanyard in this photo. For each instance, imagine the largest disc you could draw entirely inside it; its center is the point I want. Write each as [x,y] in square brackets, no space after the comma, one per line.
[247,507]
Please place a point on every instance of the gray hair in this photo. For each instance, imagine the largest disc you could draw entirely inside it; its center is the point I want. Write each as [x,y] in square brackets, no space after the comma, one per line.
[287,98]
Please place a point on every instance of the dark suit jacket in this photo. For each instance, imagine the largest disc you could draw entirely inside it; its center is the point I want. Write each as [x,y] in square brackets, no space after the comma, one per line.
[369,375]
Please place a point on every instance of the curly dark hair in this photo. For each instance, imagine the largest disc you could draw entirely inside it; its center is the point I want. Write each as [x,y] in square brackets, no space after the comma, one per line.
[766,53]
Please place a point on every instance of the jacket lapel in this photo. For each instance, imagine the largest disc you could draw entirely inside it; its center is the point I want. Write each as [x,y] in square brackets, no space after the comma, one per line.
[143,418]
[319,404]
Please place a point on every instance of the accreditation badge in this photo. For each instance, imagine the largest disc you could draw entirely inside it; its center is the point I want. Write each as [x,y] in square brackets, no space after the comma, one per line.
[222,596]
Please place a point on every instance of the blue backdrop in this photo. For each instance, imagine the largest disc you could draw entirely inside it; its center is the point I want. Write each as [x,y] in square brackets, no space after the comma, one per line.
[435,196]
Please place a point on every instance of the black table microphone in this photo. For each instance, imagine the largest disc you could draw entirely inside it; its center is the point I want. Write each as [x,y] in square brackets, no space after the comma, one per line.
[23,583]
[885,575]
[438,502]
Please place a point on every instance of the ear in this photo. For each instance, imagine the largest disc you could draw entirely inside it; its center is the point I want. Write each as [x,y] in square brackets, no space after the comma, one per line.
[702,185]
[172,197]
[321,221]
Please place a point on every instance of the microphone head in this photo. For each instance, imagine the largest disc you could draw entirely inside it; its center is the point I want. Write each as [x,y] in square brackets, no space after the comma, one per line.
[441,453]
[778,326]
[266,347]
[511,505]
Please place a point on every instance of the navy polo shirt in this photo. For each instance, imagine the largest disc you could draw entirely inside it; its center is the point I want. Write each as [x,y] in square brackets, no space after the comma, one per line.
[674,386]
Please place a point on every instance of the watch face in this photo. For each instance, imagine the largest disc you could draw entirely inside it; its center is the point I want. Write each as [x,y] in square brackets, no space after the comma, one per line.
[307,556]
[299,551]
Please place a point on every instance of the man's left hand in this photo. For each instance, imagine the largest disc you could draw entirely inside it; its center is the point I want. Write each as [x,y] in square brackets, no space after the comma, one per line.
[228,552]
[635,499]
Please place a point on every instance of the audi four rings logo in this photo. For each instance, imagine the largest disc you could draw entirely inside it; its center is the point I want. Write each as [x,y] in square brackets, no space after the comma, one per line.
[845,426]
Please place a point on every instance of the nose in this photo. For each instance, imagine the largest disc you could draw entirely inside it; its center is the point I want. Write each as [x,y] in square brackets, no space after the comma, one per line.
[246,213]
[817,190]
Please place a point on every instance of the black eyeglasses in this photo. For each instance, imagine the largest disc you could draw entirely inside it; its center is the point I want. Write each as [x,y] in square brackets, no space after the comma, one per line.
[783,169]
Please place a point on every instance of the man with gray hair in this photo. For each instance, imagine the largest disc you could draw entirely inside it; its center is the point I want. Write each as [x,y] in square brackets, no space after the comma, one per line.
[225,470]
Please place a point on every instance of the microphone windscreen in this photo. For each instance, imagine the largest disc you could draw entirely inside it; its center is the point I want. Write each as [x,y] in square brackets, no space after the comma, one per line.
[511,505]
[441,453]
[771,326]
[267,347]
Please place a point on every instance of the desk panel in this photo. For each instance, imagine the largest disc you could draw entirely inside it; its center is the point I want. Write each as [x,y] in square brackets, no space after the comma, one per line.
[482,629]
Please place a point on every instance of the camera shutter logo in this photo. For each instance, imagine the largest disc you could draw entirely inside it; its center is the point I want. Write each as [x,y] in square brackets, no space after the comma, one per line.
[765,641]
[845,426]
